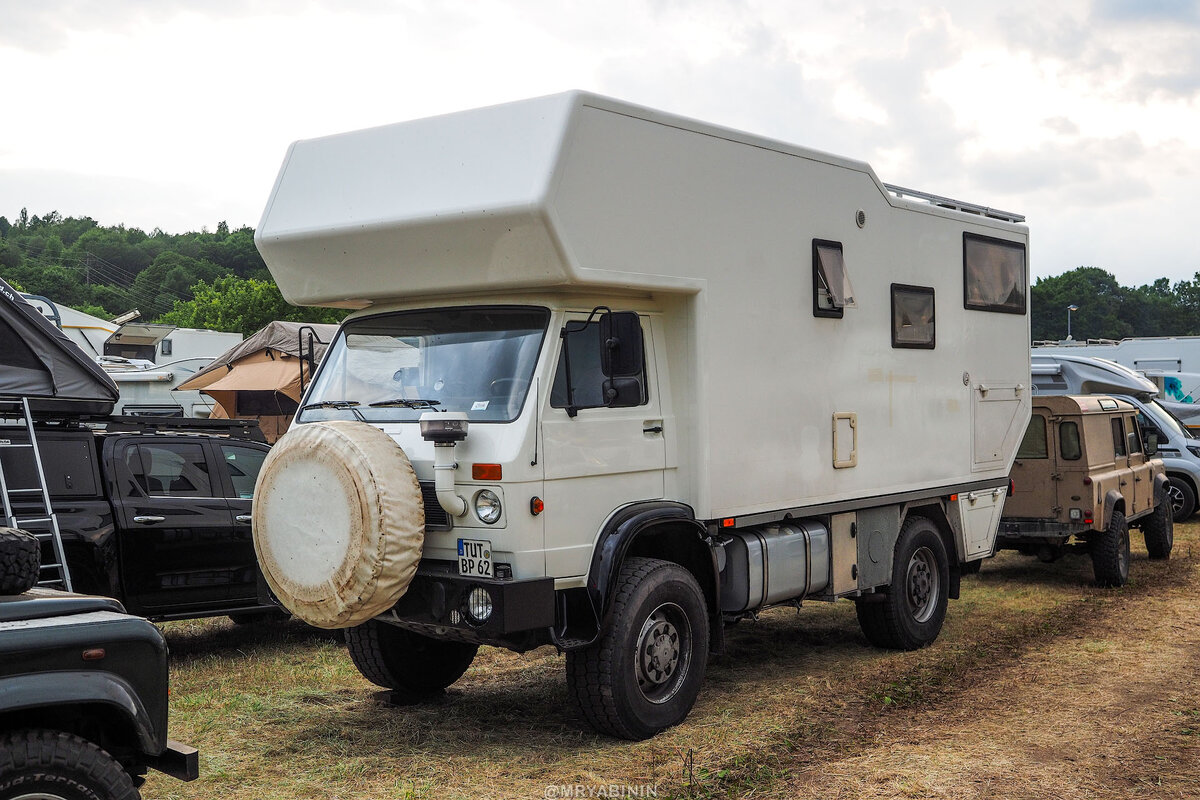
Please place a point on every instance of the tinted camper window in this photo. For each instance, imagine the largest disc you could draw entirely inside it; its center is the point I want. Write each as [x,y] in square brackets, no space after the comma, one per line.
[832,291]
[994,274]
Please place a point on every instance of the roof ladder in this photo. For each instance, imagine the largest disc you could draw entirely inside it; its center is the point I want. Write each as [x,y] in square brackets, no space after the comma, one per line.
[36,514]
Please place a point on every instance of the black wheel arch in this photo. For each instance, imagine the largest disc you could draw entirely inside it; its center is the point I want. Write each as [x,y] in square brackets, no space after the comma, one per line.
[1113,501]
[661,529]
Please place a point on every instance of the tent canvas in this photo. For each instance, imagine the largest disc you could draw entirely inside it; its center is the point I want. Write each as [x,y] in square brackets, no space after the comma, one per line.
[40,362]
[260,378]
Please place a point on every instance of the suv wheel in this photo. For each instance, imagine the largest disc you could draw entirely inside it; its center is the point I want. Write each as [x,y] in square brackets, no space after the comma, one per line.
[1182,496]
[1159,529]
[397,659]
[643,674]
[1110,552]
[48,765]
[908,615]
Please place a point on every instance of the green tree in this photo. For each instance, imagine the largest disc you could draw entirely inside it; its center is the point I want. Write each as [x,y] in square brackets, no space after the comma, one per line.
[244,305]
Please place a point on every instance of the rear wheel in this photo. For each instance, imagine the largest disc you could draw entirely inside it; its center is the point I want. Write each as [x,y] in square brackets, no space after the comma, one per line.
[910,612]
[1159,530]
[644,673]
[1183,498]
[48,765]
[397,659]
[1110,552]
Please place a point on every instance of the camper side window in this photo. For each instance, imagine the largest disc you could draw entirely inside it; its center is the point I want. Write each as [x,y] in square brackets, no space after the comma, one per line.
[832,291]
[912,316]
[994,275]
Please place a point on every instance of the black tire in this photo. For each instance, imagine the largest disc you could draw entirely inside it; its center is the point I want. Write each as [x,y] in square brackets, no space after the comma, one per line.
[20,558]
[397,659]
[1110,552]
[1183,498]
[57,766]
[909,613]
[643,674]
[1159,529]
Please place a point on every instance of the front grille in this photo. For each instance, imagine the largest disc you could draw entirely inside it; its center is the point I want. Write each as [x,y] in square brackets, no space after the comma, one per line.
[436,518]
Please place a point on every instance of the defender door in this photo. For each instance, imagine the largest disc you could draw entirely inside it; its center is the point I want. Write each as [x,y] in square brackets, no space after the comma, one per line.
[1139,465]
[180,550]
[1035,472]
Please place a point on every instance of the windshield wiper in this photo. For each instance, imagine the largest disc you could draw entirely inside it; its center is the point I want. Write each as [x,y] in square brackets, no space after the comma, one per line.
[340,405]
[403,402]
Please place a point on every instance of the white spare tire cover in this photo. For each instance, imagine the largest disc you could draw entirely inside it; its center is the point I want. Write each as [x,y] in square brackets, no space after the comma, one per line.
[338,522]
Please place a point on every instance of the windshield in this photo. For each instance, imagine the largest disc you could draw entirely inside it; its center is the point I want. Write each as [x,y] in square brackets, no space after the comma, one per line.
[1166,419]
[396,367]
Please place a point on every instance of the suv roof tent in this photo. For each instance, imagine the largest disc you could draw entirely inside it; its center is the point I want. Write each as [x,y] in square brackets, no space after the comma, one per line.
[39,362]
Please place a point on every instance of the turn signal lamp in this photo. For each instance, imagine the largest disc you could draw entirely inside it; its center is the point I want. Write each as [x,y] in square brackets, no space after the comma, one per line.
[486,472]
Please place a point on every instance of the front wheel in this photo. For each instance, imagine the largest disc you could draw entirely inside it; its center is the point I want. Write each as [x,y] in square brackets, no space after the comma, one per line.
[48,765]
[1159,530]
[397,659]
[1110,552]
[1183,498]
[643,674]
[908,615]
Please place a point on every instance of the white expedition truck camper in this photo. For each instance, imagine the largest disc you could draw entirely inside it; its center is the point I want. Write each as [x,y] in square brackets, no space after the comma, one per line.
[610,388]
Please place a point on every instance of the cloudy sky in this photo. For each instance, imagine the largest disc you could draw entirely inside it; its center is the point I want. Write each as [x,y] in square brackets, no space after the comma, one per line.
[1084,115]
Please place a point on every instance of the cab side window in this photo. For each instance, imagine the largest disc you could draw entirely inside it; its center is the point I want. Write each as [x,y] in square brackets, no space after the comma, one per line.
[1133,437]
[587,376]
[242,464]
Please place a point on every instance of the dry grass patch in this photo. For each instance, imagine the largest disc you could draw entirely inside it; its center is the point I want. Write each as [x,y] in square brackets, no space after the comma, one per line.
[1040,685]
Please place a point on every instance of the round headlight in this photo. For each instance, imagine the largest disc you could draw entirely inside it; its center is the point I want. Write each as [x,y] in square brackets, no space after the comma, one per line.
[487,506]
[479,605]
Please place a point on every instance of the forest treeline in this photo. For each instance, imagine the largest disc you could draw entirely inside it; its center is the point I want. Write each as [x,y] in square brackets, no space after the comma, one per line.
[218,280]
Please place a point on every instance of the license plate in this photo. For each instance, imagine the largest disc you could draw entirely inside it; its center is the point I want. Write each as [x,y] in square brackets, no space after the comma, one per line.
[474,558]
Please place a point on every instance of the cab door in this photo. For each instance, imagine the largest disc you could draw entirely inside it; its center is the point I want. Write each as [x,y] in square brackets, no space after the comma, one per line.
[178,541]
[601,458]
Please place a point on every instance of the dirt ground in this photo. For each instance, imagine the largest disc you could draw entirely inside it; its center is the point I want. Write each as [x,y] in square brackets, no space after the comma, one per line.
[1040,686]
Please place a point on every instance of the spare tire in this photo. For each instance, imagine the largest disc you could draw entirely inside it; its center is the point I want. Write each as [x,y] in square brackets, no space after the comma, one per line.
[20,560]
[338,522]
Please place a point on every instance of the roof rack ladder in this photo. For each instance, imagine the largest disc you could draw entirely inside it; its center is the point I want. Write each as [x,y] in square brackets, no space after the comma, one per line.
[41,521]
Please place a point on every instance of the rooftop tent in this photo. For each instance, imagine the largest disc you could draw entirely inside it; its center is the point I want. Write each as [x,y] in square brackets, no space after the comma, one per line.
[260,377]
[38,361]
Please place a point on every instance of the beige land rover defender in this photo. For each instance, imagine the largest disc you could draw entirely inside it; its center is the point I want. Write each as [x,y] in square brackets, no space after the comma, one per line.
[1084,473]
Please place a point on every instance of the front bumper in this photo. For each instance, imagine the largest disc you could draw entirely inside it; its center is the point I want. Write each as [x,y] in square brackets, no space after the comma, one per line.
[437,596]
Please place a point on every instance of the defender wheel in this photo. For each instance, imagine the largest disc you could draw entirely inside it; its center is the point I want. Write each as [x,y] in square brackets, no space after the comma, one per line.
[397,659]
[910,612]
[47,765]
[20,557]
[1183,498]
[1110,552]
[643,674]
[1159,530]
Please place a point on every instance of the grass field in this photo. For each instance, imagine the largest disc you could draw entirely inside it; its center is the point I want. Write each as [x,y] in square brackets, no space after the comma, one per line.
[1040,686]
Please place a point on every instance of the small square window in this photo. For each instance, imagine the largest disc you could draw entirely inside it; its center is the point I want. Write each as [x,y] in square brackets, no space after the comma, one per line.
[165,347]
[912,316]
[994,274]
[832,291]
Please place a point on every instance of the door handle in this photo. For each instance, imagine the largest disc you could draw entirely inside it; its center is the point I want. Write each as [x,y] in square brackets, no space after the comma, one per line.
[143,520]
[243,517]
[652,426]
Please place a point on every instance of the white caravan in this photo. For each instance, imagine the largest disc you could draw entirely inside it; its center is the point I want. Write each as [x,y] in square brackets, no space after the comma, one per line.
[1172,362]
[621,377]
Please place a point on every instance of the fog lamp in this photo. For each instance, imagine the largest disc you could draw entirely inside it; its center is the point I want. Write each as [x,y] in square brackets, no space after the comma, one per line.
[479,605]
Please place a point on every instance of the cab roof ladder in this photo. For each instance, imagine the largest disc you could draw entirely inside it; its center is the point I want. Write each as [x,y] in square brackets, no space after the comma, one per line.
[37,516]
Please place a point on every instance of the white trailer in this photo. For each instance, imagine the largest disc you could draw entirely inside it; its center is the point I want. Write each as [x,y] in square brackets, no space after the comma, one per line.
[651,376]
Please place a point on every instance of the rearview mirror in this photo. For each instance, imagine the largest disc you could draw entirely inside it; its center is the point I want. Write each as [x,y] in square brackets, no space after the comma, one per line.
[1151,443]
[621,352]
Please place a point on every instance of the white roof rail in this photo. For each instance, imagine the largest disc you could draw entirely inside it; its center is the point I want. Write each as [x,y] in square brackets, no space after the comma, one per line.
[957,205]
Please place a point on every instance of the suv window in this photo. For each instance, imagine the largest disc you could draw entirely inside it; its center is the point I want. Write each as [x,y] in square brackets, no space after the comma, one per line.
[1133,437]
[1118,437]
[175,469]
[1034,443]
[1068,441]
[242,464]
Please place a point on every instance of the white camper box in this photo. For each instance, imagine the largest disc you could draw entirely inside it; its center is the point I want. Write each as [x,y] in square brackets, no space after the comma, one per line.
[780,432]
